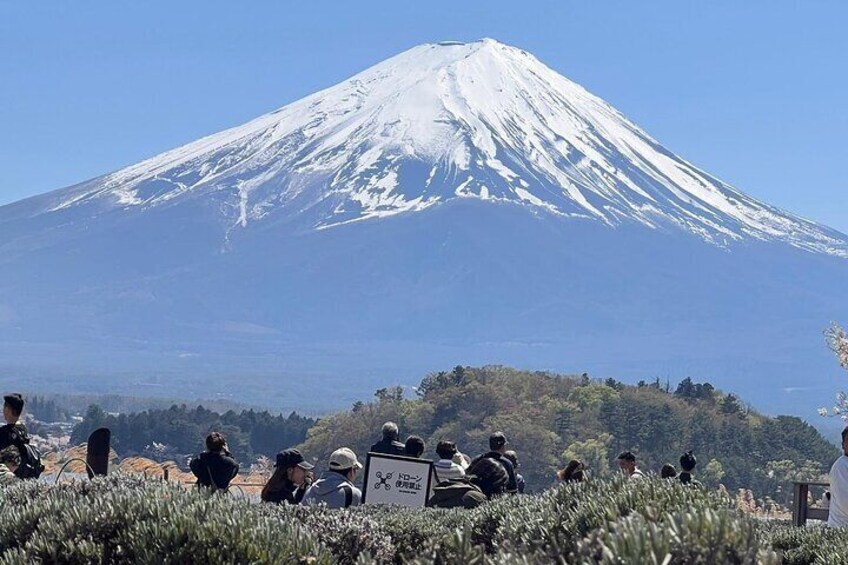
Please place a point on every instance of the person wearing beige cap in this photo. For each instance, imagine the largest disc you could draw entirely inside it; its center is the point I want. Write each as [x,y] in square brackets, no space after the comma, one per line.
[335,488]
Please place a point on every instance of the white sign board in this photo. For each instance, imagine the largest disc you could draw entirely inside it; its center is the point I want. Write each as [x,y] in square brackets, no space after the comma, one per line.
[391,479]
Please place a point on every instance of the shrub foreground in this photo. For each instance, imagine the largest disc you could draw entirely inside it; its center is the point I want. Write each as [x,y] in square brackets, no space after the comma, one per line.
[129,519]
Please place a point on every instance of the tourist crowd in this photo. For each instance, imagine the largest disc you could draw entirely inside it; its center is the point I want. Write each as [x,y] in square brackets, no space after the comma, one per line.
[457,480]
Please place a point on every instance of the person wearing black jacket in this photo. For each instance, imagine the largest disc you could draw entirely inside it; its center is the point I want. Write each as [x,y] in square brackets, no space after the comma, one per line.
[519,478]
[215,467]
[389,444]
[497,448]
[687,464]
[290,480]
[13,432]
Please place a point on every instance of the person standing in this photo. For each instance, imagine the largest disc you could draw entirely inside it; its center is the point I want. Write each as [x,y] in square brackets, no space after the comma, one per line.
[290,480]
[389,444]
[215,467]
[627,463]
[687,467]
[13,432]
[497,448]
[838,510]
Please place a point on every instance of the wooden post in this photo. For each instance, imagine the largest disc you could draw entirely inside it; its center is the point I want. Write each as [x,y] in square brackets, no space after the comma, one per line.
[799,504]
[166,472]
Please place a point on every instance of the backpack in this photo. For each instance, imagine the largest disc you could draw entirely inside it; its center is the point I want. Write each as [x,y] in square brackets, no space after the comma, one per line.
[450,493]
[31,466]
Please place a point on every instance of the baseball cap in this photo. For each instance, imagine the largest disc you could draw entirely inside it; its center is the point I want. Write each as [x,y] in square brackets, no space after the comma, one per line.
[344,458]
[496,440]
[292,457]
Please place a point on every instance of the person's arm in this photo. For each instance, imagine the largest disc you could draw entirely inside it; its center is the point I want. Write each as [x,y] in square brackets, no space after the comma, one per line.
[195,466]
[511,483]
[308,497]
[234,466]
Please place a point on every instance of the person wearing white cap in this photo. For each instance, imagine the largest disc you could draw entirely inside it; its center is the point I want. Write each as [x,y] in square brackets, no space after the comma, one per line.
[335,489]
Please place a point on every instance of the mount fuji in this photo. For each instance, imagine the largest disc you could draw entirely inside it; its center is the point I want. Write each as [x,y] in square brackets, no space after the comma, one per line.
[459,203]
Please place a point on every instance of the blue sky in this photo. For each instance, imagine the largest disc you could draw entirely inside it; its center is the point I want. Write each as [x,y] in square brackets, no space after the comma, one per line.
[754,92]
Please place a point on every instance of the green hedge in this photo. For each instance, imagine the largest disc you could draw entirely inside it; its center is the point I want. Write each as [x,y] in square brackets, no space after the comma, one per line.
[128,519]
[814,545]
[123,519]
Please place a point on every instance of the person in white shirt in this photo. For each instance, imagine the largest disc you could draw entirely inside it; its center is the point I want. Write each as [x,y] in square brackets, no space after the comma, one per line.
[627,463]
[838,511]
[445,468]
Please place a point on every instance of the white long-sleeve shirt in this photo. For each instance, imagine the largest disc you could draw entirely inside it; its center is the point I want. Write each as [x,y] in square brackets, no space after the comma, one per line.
[838,516]
[446,470]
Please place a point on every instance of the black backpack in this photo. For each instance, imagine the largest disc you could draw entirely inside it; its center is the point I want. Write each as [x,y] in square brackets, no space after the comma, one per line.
[450,493]
[31,466]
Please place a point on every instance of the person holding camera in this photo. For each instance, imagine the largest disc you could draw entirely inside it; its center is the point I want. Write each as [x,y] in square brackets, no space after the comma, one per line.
[292,476]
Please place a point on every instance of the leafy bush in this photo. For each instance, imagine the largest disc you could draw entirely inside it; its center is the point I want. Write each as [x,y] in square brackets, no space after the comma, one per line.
[816,545]
[697,536]
[348,533]
[129,519]
[123,519]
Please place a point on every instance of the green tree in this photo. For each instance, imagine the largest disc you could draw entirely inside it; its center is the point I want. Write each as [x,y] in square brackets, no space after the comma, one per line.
[592,396]
[712,474]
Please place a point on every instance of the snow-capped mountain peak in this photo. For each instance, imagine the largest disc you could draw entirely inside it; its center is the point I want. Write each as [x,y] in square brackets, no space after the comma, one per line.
[441,122]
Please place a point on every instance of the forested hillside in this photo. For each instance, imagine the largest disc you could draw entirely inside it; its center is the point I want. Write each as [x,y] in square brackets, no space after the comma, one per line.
[550,419]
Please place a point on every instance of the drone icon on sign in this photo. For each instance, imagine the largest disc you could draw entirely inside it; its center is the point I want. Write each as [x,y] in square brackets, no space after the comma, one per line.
[384,480]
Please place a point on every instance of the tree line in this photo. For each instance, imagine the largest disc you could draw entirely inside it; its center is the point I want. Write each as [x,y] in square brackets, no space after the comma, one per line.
[179,431]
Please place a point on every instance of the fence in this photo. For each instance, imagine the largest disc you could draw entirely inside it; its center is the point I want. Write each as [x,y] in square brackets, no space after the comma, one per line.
[801,510]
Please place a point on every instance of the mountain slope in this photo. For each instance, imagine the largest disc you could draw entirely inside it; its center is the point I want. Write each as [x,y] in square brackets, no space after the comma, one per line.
[437,123]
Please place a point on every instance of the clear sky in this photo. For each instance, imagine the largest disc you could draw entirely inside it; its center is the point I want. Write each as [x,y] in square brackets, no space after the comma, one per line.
[754,92]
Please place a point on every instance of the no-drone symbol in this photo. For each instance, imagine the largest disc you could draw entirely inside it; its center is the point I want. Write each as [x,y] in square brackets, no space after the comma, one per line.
[384,480]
